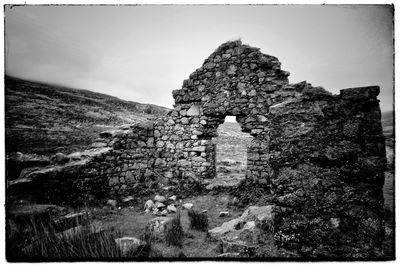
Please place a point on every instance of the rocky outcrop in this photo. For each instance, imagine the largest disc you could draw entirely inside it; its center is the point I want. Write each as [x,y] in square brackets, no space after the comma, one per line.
[253,230]
[17,162]
[56,184]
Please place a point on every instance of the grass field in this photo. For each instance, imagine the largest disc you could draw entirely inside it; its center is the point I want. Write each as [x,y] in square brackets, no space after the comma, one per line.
[231,161]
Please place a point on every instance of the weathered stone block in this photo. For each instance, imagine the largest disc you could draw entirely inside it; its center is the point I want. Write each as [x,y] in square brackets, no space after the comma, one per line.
[160,162]
[194,110]
[360,92]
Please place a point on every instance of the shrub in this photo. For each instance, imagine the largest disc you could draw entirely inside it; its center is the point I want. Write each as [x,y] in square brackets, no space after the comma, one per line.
[174,232]
[146,250]
[198,220]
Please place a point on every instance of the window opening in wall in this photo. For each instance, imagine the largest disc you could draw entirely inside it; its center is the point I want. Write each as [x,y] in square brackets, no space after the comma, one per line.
[231,152]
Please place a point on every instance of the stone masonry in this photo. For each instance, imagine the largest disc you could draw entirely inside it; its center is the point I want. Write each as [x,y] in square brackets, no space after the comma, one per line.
[236,80]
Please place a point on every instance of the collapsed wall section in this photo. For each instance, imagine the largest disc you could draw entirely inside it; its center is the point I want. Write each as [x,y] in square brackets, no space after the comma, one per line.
[119,164]
[126,169]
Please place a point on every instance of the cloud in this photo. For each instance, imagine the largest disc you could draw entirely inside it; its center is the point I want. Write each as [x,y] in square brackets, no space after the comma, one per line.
[35,49]
[142,53]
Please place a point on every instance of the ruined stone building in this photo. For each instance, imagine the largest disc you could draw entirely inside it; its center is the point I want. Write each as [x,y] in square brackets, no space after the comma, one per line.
[318,158]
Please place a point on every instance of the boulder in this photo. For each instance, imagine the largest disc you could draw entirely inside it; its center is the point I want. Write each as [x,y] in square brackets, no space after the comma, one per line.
[127,199]
[159,205]
[224,214]
[112,203]
[159,198]
[173,198]
[171,208]
[164,213]
[157,226]
[243,235]
[187,206]
[149,205]
[261,216]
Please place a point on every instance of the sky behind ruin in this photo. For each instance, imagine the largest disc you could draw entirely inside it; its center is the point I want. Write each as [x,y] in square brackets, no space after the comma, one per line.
[142,53]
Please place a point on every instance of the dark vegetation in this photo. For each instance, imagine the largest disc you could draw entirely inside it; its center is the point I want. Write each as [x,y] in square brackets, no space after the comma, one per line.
[41,241]
[65,119]
[145,250]
[198,220]
[174,233]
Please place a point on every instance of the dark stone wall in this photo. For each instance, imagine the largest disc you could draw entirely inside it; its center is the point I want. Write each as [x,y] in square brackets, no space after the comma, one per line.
[119,164]
[327,158]
[127,168]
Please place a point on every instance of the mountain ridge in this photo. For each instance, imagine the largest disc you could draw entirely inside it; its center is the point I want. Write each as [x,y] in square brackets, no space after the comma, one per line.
[42,118]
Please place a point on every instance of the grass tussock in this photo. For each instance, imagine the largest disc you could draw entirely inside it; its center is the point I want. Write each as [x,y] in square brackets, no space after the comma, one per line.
[79,243]
[174,232]
[146,250]
[41,242]
[198,220]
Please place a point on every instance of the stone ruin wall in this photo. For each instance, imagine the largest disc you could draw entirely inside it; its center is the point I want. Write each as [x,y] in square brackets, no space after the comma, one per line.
[118,164]
[236,80]
[319,158]
[125,169]
[327,156]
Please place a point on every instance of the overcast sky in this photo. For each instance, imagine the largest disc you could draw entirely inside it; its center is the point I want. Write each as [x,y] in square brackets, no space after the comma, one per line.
[142,53]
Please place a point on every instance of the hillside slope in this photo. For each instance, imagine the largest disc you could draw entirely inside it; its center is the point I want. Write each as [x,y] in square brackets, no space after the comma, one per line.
[388,132]
[44,119]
